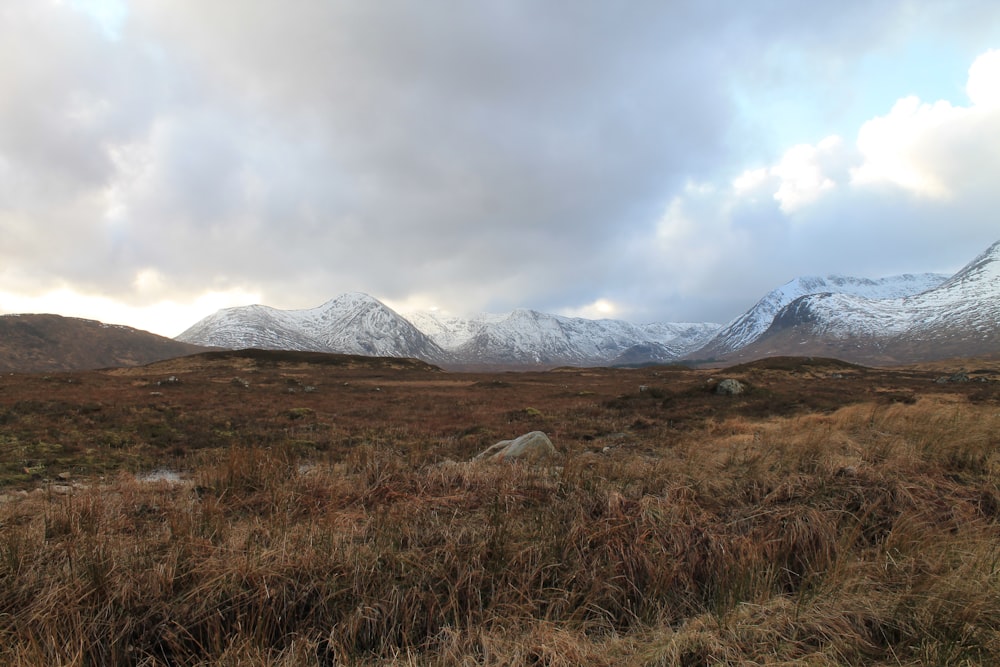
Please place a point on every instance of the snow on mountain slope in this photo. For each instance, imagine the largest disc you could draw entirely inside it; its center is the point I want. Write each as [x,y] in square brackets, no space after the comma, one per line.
[923,315]
[349,324]
[752,324]
[681,337]
[450,331]
[360,324]
[530,337]
[251,326]
[961,316]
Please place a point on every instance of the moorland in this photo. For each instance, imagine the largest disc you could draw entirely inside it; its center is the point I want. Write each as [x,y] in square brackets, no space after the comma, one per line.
[269,508]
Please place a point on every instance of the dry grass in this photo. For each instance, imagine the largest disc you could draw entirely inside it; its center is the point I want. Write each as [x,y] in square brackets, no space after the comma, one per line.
[336,527]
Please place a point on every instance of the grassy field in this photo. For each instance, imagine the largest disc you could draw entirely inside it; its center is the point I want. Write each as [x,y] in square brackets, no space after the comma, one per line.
[324,512]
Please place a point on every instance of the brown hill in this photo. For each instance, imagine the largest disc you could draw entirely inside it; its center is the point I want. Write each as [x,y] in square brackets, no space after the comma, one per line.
[48,343]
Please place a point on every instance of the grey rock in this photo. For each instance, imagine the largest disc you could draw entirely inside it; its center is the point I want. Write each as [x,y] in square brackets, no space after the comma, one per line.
[730,387]
[533,446]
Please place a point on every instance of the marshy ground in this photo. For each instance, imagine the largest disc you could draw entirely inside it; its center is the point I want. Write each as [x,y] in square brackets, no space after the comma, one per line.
[322,510]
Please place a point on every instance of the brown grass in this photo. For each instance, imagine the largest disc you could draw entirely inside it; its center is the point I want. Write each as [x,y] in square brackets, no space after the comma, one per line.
[345,525]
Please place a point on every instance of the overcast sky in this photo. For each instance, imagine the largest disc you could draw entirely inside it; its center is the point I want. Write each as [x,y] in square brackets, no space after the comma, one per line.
[649,161]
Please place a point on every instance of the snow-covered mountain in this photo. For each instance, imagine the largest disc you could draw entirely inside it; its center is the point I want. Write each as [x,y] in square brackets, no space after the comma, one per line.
[752,324]
[902,318]
[959,317]
[351,324]
[530,337]
[251,326]
[451,331]
[360,324]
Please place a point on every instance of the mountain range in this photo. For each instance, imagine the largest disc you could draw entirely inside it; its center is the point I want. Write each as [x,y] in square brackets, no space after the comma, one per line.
[960,317]
[754,324]
[357,323]
[900,319]
[911,317]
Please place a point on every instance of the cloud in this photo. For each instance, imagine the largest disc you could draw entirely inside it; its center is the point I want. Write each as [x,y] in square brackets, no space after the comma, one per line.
[917,183]
[474,156]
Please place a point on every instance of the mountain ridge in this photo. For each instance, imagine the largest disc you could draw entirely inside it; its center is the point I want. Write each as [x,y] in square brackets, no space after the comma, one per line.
[856,319]
[751,325]
[352,323]
[899,319]
[522,337]
[959,317]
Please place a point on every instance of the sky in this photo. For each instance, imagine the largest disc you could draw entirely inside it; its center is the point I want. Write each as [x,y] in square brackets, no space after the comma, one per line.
[648,161]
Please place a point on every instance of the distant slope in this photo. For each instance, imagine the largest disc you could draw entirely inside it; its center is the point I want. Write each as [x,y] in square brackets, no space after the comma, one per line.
[350,324]
[528,337]
[752,324]
[450,331]
[51,343]
[360,324]
[959,318]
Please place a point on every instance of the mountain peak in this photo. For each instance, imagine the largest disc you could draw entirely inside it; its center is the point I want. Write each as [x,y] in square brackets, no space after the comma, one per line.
[985,267]
[352,298]
[352,323]
[959,317]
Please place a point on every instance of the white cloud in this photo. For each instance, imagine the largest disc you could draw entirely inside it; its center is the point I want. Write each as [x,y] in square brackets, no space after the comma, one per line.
[936,150]
[751,181]
[804,173]
[895,147]
[983,87]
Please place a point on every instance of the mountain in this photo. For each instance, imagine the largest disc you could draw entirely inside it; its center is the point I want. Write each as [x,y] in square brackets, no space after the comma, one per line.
[350,324]
[450,331]
[528,337]
[959,317]
[912,317]
[752,324]
[52,343]
[252,326]
[360,324]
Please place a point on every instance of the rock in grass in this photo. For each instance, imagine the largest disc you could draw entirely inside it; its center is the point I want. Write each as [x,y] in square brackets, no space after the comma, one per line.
[730,387]
[533,446]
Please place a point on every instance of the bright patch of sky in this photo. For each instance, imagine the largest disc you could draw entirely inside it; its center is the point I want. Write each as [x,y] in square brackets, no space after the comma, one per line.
[801,102]
[163,316]
[109,15]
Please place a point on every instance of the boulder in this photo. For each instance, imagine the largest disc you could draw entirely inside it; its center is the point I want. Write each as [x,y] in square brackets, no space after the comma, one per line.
[533,446]
[730,387]
[957,377]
